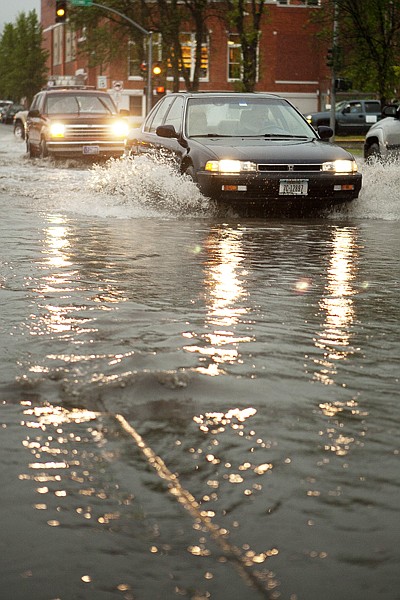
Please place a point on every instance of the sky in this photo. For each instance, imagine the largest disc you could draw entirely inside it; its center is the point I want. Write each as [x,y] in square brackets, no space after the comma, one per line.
[10,9]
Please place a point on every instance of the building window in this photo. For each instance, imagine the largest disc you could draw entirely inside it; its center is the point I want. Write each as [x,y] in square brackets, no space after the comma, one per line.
[137,56]
[299,2]
[234,57]
[188,46]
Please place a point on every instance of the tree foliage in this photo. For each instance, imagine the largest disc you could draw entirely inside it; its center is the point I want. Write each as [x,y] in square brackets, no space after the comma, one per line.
[369,35]
[22,59]
[246,19]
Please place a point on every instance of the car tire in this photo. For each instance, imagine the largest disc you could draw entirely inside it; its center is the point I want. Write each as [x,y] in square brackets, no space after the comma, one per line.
[373,152]
[19,130]
[191,173]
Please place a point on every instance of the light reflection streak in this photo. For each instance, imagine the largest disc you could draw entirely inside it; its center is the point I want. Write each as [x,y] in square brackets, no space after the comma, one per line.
[334,340]
[225,296]
[337,306]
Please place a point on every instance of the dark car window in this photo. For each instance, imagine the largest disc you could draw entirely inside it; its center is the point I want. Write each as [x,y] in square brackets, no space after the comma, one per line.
[174,116]
[157,117]
[355,107]
[372,107]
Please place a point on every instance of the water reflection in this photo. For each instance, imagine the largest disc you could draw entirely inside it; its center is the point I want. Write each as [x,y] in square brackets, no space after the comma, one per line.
[337,306]
[225,295]
[334,339]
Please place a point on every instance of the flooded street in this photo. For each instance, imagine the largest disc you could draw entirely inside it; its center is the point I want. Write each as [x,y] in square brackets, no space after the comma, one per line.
[195,406]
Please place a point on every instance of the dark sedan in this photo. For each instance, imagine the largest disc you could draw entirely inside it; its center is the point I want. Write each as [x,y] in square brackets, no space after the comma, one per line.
[246,149]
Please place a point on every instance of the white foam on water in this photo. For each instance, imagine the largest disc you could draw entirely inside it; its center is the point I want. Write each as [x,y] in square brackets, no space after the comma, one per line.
[149,184]
[380,194]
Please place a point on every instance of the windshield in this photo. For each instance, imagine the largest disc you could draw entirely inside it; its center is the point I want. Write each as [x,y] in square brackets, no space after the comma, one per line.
[85,103]
[247,116]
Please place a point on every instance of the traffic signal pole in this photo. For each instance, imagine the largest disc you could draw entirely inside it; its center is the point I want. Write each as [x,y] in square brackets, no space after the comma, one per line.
[332,121]
[149,35]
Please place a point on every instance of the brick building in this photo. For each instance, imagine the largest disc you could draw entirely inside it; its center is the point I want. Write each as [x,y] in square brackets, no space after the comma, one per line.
[291,58]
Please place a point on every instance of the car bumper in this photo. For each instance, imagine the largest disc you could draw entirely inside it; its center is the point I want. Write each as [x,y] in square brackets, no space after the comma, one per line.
[86,148]
[265,187]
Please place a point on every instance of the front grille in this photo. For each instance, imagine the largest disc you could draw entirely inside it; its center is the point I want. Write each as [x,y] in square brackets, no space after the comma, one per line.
[87,132]
[285,168]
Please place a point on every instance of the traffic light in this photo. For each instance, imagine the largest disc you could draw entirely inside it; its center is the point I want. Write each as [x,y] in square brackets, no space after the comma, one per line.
[343,85]
[157,69]
[61,11]
[143,68]
[330,58]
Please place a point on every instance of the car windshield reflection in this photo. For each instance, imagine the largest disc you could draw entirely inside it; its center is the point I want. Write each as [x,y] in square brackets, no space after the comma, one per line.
[269,118]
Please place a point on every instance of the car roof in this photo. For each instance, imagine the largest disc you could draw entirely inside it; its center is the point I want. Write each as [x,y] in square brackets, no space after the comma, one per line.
[226,94]
[74,91]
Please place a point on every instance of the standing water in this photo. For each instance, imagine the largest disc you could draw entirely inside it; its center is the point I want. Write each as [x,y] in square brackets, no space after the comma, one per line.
[195,406]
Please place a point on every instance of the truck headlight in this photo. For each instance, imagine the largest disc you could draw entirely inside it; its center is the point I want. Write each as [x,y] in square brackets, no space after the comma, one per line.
[57,130]
[120,128]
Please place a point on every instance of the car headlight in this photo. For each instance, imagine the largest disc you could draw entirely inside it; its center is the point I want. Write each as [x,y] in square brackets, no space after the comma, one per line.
[120,128]
[57,129]
[230,166]
[340,166]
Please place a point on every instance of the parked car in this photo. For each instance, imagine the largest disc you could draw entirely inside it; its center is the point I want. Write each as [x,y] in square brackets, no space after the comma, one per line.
[248,149]
[383,138]
[4,104]
[74,122]
[351,116]
[20,124]
[8,112]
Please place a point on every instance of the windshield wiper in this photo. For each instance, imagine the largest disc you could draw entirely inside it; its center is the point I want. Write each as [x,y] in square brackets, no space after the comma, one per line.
[213,135]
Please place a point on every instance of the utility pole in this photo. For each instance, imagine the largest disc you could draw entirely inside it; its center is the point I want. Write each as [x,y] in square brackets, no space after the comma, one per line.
[333,69]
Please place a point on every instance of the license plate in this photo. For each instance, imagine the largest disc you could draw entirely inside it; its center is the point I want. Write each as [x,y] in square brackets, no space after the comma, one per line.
[90,150]
[293,187]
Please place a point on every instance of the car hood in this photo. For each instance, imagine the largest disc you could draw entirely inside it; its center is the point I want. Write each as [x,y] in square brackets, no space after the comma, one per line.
[384,124]
[274,151]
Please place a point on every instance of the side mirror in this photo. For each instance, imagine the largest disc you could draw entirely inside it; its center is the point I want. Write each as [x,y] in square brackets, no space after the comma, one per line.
[346,110]
[325,132]
[391,111]
[166,131]
[124,113]
[33,113]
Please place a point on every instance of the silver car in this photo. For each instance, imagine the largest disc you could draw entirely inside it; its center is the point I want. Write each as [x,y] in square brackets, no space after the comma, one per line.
[383,138]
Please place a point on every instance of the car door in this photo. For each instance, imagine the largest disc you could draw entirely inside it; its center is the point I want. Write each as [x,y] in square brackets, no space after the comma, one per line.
[352,118]
[34,120]
[148,138]
[392,131]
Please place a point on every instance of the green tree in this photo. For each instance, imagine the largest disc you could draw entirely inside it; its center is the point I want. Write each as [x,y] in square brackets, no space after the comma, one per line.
[369,35]
[166,17]
[246,19]
[22,58]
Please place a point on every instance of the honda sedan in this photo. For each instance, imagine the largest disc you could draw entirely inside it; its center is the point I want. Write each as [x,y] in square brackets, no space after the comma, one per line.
[249,149]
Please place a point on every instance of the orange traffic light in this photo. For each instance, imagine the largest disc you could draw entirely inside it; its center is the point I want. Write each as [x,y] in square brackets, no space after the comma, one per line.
[61,11]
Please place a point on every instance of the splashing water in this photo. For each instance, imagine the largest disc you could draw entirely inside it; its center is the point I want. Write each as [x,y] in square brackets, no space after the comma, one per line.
[380,193]
[149,181]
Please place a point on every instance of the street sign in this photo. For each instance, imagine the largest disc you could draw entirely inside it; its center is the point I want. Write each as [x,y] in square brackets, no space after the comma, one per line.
[102,82]
[81,2]
[118,86]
